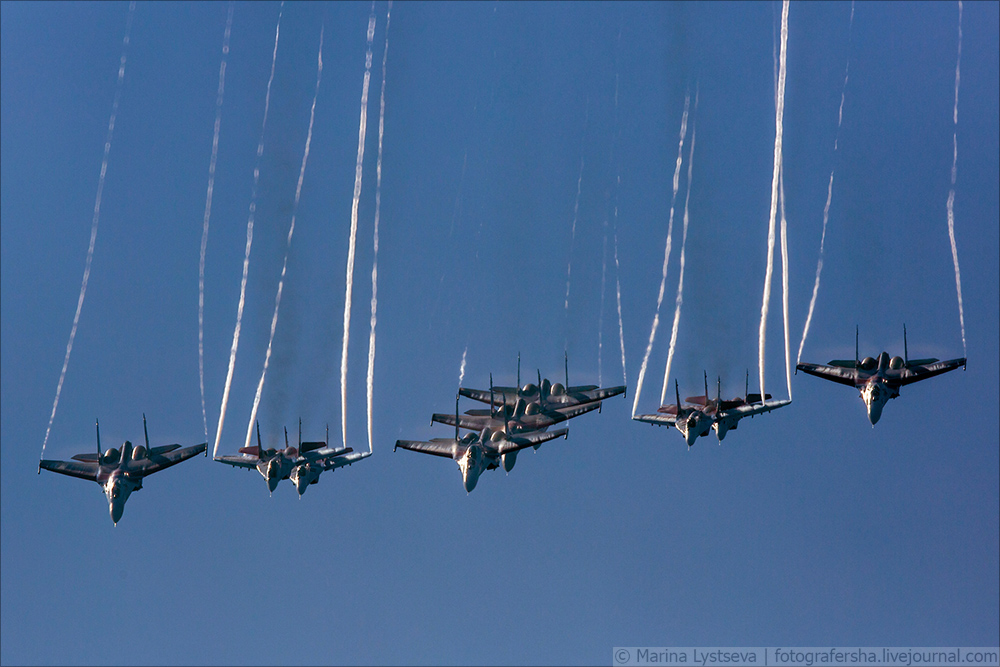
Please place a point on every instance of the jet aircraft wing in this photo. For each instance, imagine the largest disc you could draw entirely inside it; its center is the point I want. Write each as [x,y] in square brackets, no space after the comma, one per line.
[81,469]
[519,442]
[659,419]
[335,462]
[249,462]
[159,462]
[446,447]
[839,374]
[917,372]
[750,409]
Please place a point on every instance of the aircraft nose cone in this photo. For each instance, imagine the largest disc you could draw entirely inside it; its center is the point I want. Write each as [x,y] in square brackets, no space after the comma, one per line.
[117,509]
[272,483]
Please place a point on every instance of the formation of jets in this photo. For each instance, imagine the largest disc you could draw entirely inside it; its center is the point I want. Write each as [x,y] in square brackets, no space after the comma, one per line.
[700,414]
[517,418]
[302,465]
[523,413]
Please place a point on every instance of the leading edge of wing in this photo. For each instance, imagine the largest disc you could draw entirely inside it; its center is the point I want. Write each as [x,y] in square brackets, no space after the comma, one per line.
[81,469]
[449,449]
[658,419]
[519,442]
[916,373]
[163,461]
[831,373]
[750,409]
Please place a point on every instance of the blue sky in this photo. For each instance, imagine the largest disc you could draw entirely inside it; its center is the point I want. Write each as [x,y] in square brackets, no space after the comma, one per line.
[807,527]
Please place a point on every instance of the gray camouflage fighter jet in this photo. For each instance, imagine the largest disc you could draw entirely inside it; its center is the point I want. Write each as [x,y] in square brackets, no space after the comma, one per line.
[546,395]
[303,465]
[878,380]
[476,452]
[121,472]
[701,414]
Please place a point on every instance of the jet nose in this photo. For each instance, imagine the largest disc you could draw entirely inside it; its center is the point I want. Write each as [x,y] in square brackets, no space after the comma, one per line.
[272,483]
[117,509]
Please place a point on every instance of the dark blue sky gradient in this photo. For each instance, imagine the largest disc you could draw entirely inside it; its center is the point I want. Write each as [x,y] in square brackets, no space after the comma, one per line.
[807,527]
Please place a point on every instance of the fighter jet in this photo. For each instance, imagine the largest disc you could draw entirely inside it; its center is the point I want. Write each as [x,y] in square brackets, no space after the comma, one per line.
[702,414]
[878,380]
[303,465]
[121,472]
[548,396]
[475,453]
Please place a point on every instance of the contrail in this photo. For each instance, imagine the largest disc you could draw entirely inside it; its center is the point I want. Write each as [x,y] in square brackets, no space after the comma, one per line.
[246,257]
[94,223]
[288,243]
[378,206]
[576,207]
[951,192]
[354,226]
[779,113]
[208,212]
[829,197]
[784,279]
[600,314]
[618,291]
[461,368]
[618,183]
[666,256]
[680,279]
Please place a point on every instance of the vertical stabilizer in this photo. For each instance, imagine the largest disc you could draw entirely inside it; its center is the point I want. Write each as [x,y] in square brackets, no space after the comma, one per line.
[857,362]
[677,390]
[906,353]
[146,433]
[98,423]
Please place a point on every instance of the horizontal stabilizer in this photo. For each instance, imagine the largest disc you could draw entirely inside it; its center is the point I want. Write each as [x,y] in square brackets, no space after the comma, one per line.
[250,451]
[844,363]
[668,410]
[91,457]
[697,400]
[920,362]
[755,398]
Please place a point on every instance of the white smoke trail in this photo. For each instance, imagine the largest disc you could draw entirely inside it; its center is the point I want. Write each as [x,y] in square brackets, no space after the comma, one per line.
[94,222]
[618,292]
[666,256]
[779,113]
[246,256]
[354,226]
[461,368]
[951,192]
[829,197]
[618,184]
[288,243]
[680,279]
[784,279]
[600,315]
[576,210]
[378,206]
[208,213]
